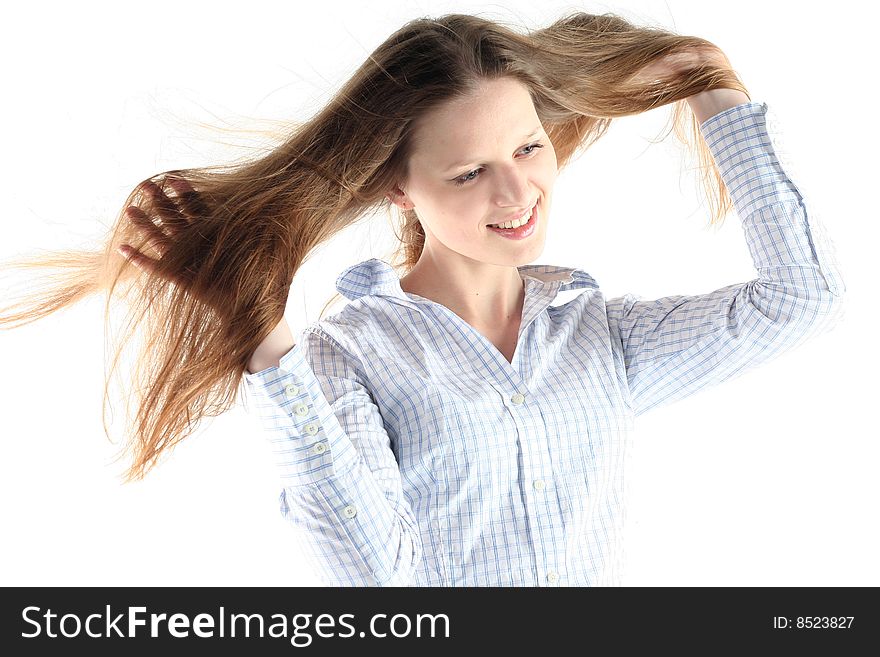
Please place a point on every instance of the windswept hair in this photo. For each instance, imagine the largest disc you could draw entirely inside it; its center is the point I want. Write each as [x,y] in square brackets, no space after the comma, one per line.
[260,218]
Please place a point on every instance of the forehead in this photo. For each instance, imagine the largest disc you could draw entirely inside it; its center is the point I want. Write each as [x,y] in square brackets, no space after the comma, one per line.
[497,109]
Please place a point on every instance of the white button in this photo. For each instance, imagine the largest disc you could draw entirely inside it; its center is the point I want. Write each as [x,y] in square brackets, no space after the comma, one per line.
[552,577]
[349,511]
[319,448]
[539,484]
[301,409]
[291,390]
[517,398]
[311,429]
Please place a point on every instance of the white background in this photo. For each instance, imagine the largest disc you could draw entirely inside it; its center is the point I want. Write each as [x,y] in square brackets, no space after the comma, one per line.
[769,479]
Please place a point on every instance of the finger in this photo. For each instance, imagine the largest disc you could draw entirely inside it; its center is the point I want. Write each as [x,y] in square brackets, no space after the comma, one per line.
[138,259]
[164,209]
[187,199]
[155,237]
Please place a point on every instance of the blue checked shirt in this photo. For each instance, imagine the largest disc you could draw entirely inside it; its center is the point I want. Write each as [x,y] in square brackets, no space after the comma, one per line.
[412,453]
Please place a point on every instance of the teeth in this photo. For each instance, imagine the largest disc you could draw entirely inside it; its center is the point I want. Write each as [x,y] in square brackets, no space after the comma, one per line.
[514,224]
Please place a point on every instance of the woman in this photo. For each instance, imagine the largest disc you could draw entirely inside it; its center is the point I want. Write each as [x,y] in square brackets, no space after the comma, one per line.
[450,427]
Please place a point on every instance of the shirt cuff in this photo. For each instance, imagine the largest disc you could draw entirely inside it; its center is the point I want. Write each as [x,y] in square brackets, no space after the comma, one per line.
[308,443]
[746,143]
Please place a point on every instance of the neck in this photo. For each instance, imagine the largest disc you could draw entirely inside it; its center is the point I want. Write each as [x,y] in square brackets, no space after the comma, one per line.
[483,295]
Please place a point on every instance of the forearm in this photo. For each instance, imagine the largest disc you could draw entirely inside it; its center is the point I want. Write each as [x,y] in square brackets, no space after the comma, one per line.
[270,351]
[707,104]
[324,428]
[789,246]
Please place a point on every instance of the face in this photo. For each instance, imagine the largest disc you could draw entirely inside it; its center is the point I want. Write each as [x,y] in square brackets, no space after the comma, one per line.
[480,160]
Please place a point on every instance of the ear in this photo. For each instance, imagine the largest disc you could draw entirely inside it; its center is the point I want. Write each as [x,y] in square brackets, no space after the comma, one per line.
[399,198]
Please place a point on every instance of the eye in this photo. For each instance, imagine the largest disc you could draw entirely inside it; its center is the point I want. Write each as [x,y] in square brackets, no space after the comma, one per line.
[470,177]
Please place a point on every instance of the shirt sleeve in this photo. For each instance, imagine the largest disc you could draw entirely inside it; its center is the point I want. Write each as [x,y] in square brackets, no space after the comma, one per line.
[677,345]
[341,483]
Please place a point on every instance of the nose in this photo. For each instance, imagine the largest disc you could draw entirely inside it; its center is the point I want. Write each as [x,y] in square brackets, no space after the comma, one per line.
[513,188]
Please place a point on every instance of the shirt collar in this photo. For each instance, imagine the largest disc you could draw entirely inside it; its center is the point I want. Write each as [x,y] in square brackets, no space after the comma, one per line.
[377,277]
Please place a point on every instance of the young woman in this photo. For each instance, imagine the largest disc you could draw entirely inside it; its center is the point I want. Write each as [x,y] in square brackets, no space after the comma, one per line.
[450,426]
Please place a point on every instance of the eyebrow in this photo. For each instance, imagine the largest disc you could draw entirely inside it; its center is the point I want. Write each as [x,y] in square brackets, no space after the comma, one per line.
[462,163]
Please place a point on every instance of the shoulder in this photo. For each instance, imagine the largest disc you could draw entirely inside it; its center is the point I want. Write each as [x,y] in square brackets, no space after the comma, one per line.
[361,322]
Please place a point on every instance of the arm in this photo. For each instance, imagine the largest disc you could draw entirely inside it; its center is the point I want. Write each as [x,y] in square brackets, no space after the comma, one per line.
[677,345]
[342,488]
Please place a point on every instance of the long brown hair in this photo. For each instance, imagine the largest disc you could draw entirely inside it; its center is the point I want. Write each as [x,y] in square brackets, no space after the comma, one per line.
[261,218]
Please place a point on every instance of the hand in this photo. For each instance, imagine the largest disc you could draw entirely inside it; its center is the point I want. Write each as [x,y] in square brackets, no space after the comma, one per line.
[681,61]
[168,217]
[159,229]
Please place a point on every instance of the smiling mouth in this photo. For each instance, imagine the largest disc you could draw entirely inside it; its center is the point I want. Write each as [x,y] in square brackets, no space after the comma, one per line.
[524,219]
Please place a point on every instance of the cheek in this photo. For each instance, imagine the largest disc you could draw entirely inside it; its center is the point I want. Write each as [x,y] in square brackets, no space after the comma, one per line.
[454,220]
[461,214]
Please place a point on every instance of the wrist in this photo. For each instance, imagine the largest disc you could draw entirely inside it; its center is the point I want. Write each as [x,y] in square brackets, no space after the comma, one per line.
[272,348]
[707,104]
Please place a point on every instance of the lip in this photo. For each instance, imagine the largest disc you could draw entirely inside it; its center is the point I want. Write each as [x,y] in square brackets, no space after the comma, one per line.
[523,231]
[517,216]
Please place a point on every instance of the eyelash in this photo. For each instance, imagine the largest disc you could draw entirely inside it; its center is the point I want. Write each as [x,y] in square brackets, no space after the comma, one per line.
[464,180]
